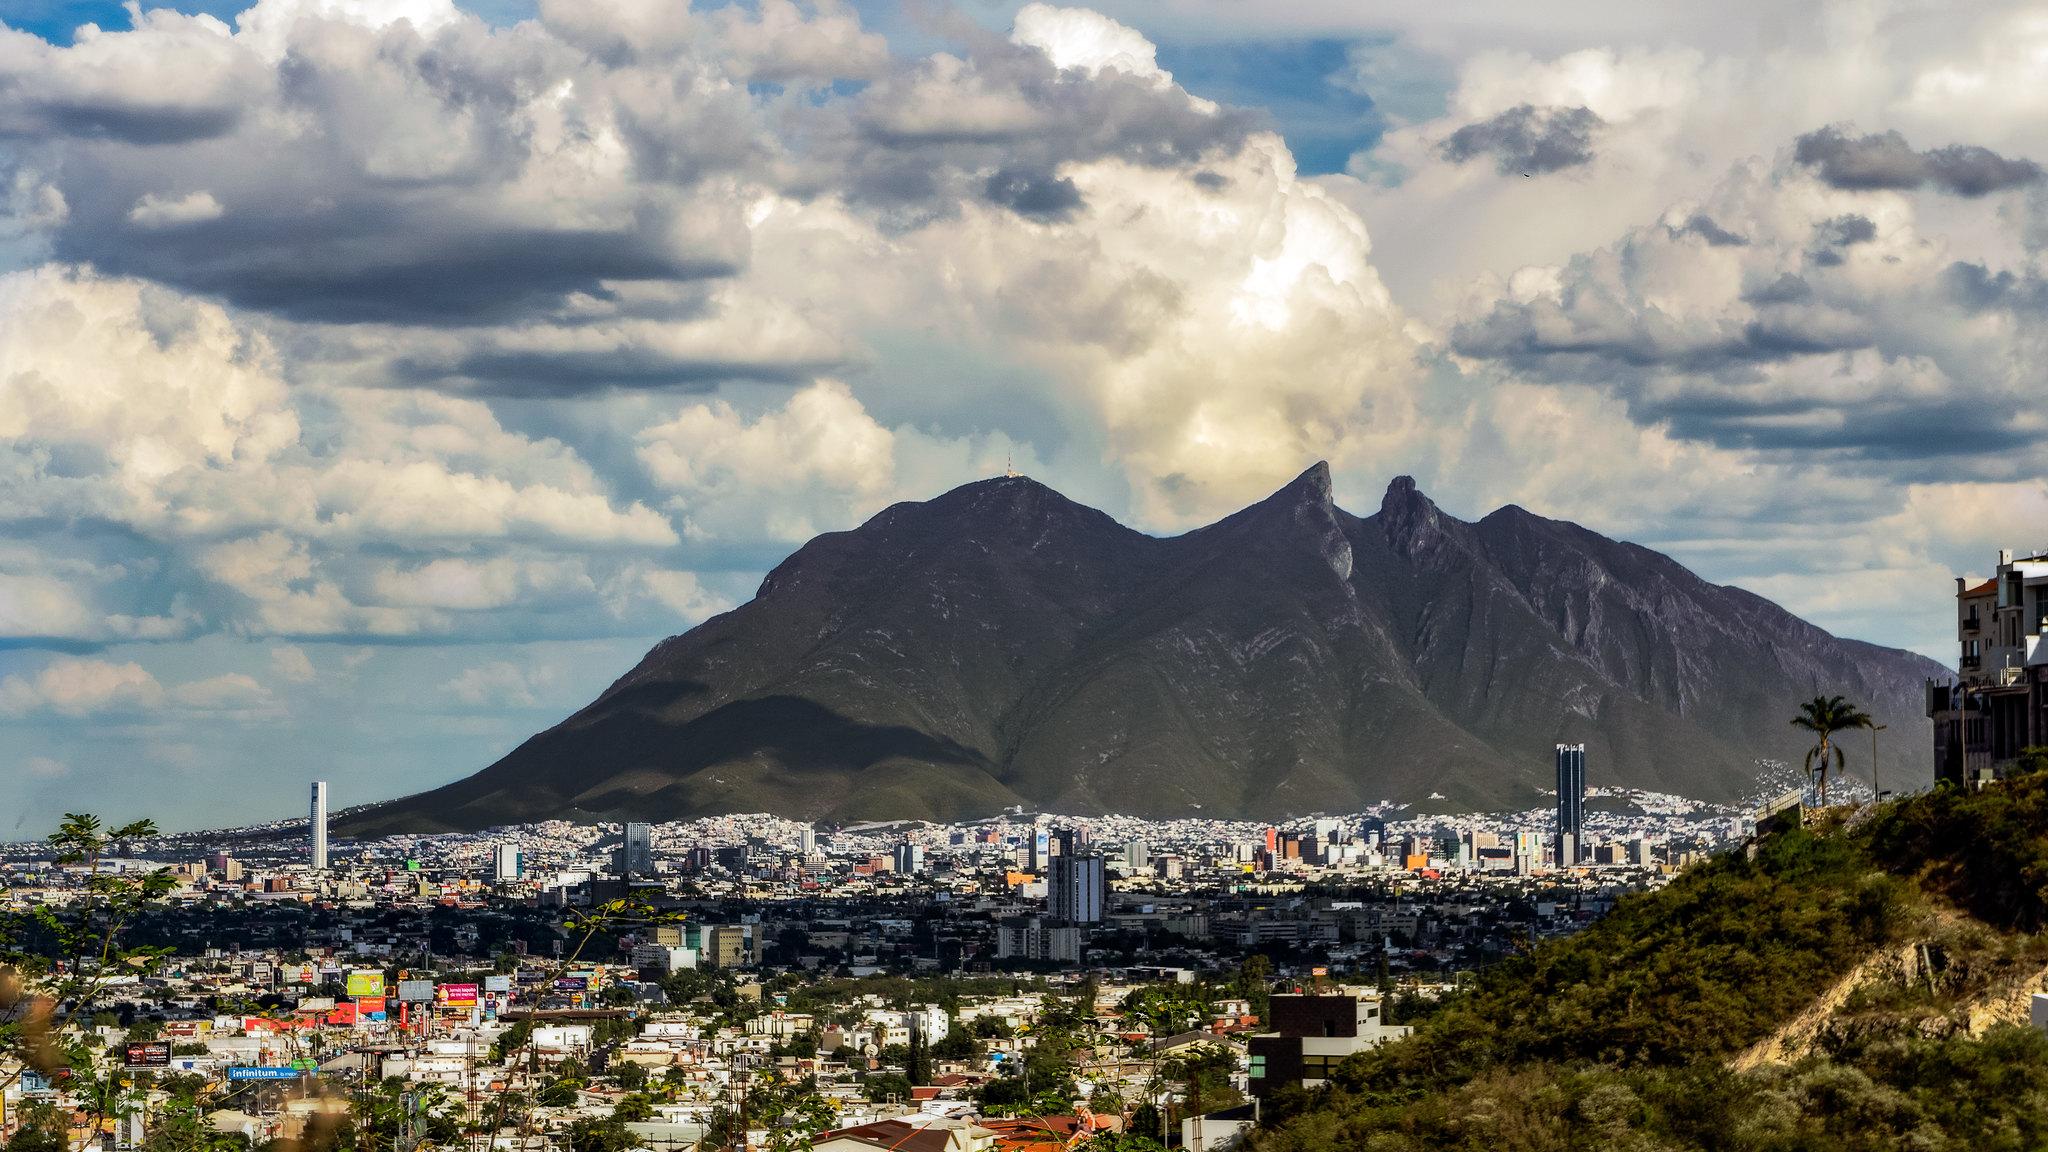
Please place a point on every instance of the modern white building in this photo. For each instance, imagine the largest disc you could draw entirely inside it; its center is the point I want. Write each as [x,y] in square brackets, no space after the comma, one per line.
[506,864]
[318,819]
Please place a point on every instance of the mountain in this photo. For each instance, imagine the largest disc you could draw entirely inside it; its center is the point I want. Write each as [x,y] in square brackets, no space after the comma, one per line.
[1001,645]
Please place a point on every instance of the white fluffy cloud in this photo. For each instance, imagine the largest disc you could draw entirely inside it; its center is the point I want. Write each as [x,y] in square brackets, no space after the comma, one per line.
[364,321]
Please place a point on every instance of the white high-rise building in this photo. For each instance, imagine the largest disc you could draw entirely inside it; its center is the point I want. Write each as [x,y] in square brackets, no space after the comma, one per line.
[506,866]
[319,822]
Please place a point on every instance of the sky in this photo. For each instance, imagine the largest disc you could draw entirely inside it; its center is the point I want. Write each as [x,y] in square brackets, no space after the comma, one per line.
[380,378]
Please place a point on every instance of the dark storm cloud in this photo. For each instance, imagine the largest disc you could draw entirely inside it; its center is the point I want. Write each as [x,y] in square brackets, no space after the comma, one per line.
[1978,289]
[1037,195]
[428,268]
[910,142]
[554,373]
[1702,225]
[415,179]
[1527,138]
[1968,170]
[1831,236]
[1843,231]
[1885,160]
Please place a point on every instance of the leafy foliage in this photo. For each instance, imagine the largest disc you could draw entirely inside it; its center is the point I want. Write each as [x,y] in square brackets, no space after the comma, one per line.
[1987,851]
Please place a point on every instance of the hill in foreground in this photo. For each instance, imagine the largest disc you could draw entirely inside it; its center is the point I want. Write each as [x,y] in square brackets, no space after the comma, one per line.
[1862,988]
[1001,644]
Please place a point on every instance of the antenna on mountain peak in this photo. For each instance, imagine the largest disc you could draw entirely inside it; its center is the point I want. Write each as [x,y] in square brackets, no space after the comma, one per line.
[1009,469]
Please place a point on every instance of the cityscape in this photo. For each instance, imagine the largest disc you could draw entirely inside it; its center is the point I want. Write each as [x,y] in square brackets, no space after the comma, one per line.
[1023,576]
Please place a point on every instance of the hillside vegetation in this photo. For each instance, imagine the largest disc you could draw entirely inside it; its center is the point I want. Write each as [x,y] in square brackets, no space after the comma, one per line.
[1846,988]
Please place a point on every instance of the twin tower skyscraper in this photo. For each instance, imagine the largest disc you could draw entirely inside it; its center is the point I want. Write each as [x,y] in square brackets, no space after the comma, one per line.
[1571,804]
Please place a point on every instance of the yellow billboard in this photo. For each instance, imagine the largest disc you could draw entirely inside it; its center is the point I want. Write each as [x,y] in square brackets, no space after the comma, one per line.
[365,983]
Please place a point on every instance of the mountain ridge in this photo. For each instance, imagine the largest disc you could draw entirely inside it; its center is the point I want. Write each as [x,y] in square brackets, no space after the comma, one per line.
[1001,644]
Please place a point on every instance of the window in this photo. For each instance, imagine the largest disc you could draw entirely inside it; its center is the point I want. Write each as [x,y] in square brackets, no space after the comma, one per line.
[1319,1067]
[1258,1067]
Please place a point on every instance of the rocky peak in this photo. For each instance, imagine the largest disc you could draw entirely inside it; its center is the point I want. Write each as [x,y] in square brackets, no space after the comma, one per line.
[1410,520]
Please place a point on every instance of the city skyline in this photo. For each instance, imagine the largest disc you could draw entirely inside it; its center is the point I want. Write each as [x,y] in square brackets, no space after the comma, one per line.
[366,416]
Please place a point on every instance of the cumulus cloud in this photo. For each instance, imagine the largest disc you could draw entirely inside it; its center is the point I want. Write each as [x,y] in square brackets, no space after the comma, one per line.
[71,686]
[154,211]
[371,322]
[499,684]
[131,405]
[291,665]
[818,460]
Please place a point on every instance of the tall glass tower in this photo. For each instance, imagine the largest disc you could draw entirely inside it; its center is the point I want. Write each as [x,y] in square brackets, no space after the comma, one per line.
[1571,803]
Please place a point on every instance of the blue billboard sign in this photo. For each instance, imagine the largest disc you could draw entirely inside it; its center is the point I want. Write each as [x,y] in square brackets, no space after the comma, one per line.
[264,1072]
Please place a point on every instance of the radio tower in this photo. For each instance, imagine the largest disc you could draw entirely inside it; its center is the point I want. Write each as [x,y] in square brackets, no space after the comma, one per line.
[1009,469]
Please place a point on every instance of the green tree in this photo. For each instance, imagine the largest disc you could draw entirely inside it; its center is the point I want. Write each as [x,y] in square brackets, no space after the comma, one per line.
[606,1135]
[1824,716]
[634,1108]
[57,960]
[1120,1142]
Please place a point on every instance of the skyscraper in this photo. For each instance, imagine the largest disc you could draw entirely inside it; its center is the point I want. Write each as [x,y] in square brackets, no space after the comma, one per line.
[636,852]
[1571,803]
[1074,888]
[318,819]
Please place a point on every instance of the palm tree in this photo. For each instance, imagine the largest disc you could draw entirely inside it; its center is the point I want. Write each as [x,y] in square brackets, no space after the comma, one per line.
[1824,716]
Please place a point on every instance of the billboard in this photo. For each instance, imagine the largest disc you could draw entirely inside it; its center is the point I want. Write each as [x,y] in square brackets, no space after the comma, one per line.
[364,982]
[370,1008]
[149,1054]
[497,983]
[458,995]
[263,1072]
[572,984]
[415,991]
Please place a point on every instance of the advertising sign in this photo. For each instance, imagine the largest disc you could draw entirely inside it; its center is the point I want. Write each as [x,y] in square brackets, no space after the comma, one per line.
[149,1054]
[262,1072]
[364,982]
[415,991]
[316,1004]
[458,995]
[572,984]
[497,983]
[370,1008]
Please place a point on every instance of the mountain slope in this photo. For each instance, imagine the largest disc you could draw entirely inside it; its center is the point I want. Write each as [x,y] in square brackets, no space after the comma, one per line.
[1839,989]
[1001,645]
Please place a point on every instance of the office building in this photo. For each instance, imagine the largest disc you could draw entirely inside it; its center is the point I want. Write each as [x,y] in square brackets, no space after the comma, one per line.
[908,859]
[1034,939]
[1074,889]
[1312,1035]
[635,857]
[807,842]
[1041,850]
[1997,704]
[1571,803]
[506,865]
[1136,857]
[318,820]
